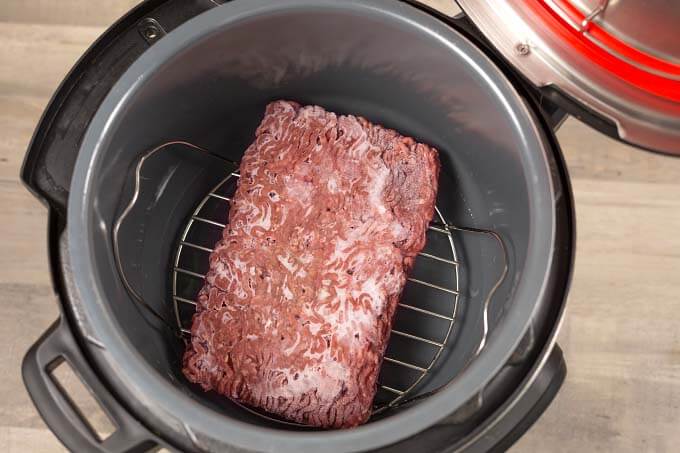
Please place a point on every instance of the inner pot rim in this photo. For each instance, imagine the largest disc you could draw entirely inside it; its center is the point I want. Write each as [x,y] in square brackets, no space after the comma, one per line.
[153,393]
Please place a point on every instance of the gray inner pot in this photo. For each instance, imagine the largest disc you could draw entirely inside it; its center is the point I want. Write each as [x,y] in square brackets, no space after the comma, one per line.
[207,83]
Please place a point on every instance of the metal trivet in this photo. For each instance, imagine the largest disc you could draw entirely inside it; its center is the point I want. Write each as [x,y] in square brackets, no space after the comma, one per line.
[187,274]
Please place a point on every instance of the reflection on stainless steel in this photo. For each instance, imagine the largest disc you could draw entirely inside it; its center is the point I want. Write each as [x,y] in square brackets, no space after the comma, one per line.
[640,117]
[651,26]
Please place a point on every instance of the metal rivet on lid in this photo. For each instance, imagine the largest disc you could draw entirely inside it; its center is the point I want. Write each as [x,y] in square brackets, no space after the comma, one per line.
[523,49]
[150,30]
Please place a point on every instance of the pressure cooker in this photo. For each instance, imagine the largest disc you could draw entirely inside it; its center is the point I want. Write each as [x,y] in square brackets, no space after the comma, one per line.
[136,155]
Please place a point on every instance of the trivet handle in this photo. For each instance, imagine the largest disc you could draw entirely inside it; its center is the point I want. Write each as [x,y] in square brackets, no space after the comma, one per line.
[54,347]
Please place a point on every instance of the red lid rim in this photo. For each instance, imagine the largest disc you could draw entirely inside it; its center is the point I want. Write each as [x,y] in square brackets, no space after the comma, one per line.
[640,69]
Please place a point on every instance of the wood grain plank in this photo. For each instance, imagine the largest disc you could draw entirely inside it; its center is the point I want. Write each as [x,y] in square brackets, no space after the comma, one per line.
[34,440]
[620,337]
[66,12]
[595,156]
[103,13]
[18,117]
[35,58]
[28,309]
[448,7]
[24,237]
[632,217]
[33,61]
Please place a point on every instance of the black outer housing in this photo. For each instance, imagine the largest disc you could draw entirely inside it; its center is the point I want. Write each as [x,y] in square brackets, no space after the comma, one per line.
[47,169]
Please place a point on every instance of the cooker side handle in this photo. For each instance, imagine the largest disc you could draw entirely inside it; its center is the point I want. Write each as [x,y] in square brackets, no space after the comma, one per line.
[56,346]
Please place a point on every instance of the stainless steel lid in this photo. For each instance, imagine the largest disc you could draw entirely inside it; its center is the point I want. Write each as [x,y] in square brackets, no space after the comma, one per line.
[649,26]
[618,58]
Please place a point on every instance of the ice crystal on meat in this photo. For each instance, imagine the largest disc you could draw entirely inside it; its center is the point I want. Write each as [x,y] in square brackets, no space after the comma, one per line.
[328,217]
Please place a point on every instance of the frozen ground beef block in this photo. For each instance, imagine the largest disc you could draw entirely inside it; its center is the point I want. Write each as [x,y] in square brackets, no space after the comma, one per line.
[328,217]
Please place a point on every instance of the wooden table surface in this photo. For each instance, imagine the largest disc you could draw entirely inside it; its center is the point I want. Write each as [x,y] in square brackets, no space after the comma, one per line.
[621,335]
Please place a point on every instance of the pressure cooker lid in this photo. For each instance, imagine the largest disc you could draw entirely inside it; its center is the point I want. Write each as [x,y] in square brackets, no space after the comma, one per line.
[618,60]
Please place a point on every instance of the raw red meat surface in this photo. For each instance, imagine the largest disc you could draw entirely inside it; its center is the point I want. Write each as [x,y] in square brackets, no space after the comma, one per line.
[328,217]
